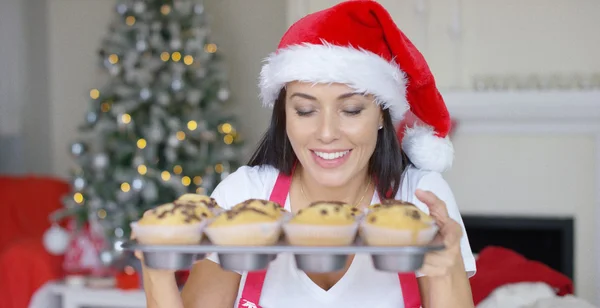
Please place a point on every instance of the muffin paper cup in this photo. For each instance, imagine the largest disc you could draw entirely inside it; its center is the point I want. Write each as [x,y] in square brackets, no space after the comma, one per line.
[251,234]
[188,234]
[318,235]
[378,236]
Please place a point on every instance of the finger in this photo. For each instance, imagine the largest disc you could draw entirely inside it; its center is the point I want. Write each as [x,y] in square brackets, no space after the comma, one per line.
[437,207]
[451,233]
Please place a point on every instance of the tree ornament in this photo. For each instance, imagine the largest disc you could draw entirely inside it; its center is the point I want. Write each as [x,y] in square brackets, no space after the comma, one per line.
[79,183]
[100,161]
[56,240]
[78,148]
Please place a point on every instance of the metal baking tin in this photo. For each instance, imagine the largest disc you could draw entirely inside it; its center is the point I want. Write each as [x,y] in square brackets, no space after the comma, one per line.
[308,258]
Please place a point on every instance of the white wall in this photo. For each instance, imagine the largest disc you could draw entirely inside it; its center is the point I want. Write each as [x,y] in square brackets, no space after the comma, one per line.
[464,38]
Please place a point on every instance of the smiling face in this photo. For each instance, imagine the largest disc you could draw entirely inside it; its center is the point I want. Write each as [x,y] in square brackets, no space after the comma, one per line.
[332,129]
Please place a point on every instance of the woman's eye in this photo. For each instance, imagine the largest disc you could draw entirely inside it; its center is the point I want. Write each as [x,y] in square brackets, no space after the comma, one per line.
[353,112]
[304,113]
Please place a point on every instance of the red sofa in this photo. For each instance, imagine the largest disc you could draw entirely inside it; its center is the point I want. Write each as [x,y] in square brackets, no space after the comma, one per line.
[25,265]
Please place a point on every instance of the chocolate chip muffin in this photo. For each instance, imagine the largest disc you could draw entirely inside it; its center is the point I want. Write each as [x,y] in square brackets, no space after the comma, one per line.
[241,216]
[200,200]
[268,207]
[326,213]
[323,223]
[397,223]
[176,223]
[253,222]
[176,213]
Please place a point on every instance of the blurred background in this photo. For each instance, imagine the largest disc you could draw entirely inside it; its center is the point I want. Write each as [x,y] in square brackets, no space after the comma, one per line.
[110,107]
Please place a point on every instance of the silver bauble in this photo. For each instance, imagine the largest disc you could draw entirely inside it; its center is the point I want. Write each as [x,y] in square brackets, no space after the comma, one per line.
[91,117]
[223,94]
[100,161]
[78,149]
[173,141]
[79,183]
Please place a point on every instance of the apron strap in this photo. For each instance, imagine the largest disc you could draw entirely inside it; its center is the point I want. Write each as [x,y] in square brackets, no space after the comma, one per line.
[410,290]
[256,279]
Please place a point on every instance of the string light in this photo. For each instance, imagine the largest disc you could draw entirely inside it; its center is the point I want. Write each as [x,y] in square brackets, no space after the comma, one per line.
[176,56]
[180,135]
[165,56]
[177,169]
[126,118]
[228,139]
[200,190]
[186,181]
[142,169]
[141,143]
[219,168]
[130,20]
[226,128]
[165,9]
[78,197]
[101,214]
[192,125]
[125,187]
[197,180]
[113,59]
[210,48]
[94,93]
[165,175]
[188,60]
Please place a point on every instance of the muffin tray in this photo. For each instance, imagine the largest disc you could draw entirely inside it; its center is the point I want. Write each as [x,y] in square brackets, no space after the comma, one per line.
[308,258]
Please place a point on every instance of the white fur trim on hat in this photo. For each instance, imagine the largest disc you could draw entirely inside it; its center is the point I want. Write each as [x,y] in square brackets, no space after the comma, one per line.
[360,69]
[426,150]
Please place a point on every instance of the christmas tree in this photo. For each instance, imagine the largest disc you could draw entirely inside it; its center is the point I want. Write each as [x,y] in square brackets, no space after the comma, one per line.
[158,128]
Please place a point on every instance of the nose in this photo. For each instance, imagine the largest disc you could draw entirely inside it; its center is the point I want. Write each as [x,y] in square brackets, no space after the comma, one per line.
[328,128]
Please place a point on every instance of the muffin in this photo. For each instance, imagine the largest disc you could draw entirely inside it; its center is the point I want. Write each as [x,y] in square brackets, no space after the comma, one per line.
[250,223]
[397,223]
[200,200]
[323,223]
[172,223]
[268,207]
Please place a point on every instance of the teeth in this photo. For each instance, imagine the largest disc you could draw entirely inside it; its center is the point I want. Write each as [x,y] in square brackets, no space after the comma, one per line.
[332,155]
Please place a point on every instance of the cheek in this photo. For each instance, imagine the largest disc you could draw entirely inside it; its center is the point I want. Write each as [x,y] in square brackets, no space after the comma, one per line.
[297,133]
[362,134]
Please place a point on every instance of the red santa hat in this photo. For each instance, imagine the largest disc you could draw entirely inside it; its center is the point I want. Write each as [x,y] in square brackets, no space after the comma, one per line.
[358,44]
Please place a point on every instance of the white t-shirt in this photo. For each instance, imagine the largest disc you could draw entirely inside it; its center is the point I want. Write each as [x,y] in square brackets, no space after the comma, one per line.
[362,285]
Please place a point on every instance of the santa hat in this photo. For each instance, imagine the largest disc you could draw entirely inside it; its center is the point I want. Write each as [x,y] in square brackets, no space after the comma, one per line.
[358,44]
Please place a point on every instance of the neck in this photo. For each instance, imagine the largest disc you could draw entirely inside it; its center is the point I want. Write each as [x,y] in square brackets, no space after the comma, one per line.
[351,192]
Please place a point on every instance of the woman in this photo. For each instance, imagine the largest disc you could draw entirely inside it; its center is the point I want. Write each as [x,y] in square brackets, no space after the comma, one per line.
[339,84]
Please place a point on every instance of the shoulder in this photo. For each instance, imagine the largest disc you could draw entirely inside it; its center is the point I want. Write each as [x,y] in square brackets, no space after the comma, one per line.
[414,178]
[245,183]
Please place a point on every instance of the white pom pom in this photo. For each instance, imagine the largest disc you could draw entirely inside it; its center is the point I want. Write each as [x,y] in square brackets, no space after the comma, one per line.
[56,240]
[427,151]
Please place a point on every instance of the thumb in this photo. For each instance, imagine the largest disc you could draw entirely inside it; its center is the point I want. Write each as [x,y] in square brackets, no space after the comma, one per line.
[437,207]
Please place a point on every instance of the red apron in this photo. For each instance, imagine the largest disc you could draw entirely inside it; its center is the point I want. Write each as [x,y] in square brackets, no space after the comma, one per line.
[255,280]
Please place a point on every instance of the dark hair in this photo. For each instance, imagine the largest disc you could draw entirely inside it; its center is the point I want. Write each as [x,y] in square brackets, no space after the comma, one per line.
[386,164]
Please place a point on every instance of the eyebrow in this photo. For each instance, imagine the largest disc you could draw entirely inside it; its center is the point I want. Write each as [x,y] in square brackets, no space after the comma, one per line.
[312,98]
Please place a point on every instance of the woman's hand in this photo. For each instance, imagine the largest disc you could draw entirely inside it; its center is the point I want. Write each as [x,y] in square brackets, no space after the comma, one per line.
[442,262]
[445,283]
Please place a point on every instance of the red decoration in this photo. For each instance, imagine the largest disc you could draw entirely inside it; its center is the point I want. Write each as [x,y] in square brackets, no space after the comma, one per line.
[83,253]
[128,279]
[498,266]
